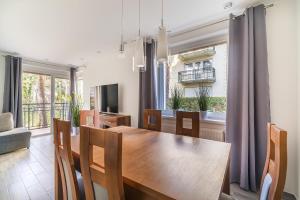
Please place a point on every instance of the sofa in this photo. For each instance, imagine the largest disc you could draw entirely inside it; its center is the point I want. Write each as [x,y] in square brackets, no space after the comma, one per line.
[11,138]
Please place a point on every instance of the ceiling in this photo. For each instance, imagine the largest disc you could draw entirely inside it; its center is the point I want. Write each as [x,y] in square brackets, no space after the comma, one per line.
[73,31]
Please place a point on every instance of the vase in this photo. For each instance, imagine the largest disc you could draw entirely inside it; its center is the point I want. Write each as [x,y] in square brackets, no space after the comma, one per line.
[75,130]
[174,113]
[203,114]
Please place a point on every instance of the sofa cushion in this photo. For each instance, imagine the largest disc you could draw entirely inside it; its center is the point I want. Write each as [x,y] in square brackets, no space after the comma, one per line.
[6,122]
[14,131]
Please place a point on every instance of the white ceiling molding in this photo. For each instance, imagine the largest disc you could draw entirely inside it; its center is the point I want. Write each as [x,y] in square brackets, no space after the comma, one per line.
[42,67]
[47,68]
[202,36]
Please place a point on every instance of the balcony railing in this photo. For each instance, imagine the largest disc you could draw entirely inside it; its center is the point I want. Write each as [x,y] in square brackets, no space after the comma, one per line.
[38,115]
[204,75]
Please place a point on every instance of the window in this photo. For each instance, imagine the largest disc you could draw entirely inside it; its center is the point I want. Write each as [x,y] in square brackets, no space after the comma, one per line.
[205,66]
[189,66]
[44,96]
[36,100]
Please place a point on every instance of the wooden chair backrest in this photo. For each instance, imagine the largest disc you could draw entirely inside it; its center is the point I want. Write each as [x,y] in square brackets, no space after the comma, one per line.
[149,115]
[84,114]
[109,177]
[276,161]
[63,155]
[180,130]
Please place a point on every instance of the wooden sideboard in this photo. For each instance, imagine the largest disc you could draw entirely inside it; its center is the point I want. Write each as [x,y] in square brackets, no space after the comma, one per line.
[113,120]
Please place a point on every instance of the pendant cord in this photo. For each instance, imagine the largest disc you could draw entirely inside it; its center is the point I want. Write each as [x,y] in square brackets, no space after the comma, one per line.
[139,18]
[122,22]
[162,13]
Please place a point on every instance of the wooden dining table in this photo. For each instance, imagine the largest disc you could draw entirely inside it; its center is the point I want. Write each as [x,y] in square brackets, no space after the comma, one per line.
[158,165]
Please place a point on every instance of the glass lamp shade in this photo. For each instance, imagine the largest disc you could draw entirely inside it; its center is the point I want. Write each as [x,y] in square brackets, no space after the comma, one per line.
[121,55]
[139,61]
[162,45]
[122,51]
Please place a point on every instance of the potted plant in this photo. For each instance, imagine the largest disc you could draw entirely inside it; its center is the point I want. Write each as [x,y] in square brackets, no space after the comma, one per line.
[176,99]
[75,107]
[203,98]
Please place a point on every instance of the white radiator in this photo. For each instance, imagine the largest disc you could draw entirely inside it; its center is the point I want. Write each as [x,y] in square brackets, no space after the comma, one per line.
[210,131]
[212,134]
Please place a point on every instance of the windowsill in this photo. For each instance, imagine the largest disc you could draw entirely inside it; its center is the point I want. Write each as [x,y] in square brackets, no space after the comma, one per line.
[212,117]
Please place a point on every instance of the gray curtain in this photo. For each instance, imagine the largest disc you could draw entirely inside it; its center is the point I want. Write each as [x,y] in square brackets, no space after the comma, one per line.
[248,106]
[147,82]
[73,84]
[73,80]
[12,100]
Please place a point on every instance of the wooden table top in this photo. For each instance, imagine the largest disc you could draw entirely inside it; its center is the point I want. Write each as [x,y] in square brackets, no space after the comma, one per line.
[168,165]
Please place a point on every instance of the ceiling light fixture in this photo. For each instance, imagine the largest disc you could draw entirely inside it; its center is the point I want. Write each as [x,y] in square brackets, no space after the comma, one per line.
[162,42]
[139,58]
[122,45]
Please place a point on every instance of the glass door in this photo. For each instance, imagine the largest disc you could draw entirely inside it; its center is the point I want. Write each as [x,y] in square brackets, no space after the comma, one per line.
[36,100]
[44,97]
[62,98]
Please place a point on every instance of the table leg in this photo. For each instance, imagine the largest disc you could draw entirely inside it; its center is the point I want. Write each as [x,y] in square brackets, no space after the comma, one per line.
[226,186]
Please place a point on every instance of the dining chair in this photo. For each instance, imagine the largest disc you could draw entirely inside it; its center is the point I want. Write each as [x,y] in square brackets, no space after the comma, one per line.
[69,181]
[274,174]
[180,130]
[89,117]
[152,119]
[101,182]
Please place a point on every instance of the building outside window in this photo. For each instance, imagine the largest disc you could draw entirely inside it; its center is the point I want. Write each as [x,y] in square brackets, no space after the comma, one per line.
[205,66]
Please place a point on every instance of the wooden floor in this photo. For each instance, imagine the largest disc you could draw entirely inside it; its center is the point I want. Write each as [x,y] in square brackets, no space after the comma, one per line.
[40,132]
[29,174]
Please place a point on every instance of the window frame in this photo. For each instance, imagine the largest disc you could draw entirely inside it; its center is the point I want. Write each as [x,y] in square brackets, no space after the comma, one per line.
[207,45]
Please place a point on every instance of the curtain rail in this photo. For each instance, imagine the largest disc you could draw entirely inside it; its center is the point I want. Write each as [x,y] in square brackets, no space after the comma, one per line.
[208,25]
[35,61]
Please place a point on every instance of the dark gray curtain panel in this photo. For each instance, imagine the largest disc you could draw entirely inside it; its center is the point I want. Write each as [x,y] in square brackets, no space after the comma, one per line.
[73,85]
[147,82]
[12,100]
[73,80]
[248,106]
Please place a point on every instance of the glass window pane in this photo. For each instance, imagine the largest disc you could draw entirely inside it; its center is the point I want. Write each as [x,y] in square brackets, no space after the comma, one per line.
[36,99]
[206,66]
[62,98]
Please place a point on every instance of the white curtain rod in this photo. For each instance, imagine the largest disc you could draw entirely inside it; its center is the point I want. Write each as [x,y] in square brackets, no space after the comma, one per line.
[207,25]
[35,61]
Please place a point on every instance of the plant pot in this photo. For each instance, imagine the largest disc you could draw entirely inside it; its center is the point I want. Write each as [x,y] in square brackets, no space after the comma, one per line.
[203,114]
[75,130]
[174,113]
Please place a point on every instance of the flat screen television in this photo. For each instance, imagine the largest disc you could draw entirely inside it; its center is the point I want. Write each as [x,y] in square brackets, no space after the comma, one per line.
[109,98]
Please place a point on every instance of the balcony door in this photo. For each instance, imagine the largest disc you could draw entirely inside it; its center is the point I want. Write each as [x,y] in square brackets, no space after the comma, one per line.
[61,98]
[44,97]
[36,100]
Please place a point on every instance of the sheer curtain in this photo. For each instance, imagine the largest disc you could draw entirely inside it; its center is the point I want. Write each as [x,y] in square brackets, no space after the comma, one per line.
[248,101]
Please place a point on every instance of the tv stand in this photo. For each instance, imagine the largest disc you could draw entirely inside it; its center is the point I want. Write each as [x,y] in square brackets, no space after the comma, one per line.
[108,120]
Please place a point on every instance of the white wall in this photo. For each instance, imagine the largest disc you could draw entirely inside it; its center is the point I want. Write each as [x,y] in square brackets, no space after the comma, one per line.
[219,88]
[109,69]
[282,58]
[2,74]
